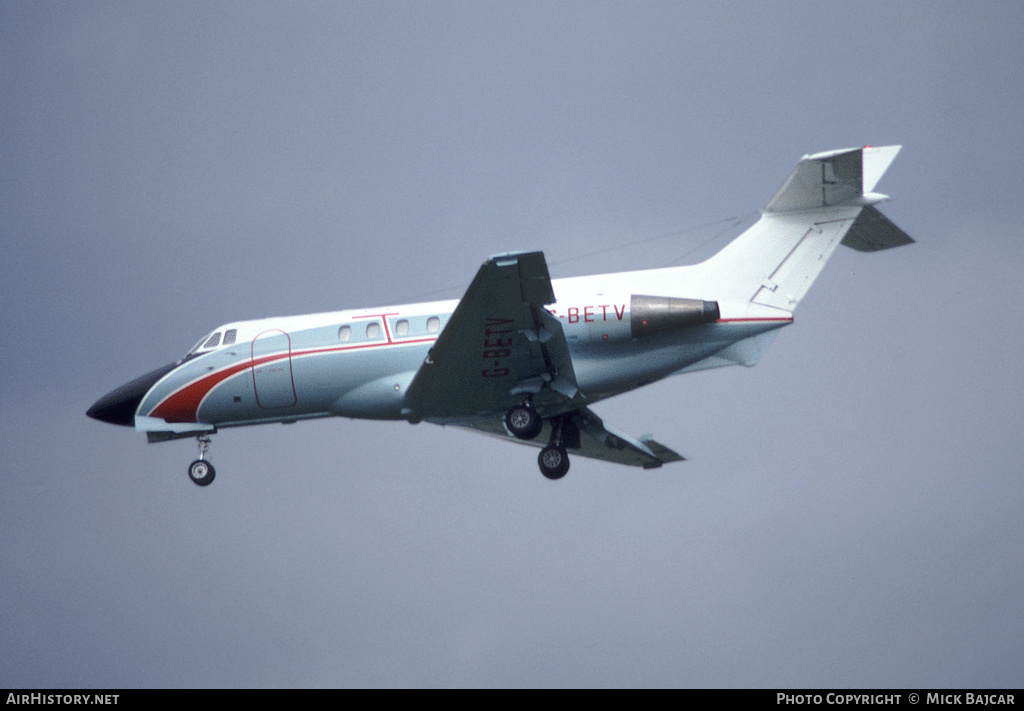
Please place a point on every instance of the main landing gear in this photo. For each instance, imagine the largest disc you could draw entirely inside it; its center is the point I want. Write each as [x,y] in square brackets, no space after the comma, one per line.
[525,423]
[201,472]
[553,459]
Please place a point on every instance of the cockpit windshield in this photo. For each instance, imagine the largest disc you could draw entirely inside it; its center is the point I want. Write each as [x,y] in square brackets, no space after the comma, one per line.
[211,341]
[199,346]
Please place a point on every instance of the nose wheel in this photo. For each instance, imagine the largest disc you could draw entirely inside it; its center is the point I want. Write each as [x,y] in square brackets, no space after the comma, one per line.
[201,471]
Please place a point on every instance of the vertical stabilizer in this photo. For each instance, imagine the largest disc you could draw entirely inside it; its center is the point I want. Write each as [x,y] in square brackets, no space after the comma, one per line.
[775,262]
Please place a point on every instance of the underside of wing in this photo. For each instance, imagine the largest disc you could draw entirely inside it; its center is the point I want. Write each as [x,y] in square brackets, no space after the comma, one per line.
[499,347]
[584,433]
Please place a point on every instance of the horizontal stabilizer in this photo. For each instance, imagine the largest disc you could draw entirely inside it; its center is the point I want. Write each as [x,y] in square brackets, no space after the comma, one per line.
[846,176]
[872,231]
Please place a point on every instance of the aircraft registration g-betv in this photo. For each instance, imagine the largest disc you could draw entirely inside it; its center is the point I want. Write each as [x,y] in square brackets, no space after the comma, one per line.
[522,356]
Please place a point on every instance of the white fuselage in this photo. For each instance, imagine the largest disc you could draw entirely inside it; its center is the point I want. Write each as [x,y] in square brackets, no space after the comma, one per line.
[359,363]
[523,356]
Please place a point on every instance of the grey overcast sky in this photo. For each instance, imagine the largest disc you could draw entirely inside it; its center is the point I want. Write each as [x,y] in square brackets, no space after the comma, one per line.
[850,514]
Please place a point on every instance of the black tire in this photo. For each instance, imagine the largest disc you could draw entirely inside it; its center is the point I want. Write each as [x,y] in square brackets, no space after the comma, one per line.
[553,461]
[201,472]
[523,422]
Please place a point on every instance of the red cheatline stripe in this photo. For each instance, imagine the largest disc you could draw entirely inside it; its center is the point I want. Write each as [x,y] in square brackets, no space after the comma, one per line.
[183,404]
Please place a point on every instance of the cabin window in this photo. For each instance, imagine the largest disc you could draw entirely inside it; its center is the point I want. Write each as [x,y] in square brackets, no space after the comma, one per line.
[373,330]
[433,323]
[344,333]
[230,335]
[213,342]
[402,328]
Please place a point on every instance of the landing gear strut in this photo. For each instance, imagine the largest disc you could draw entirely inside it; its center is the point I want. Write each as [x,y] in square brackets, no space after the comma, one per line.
[201,472]
[553,459]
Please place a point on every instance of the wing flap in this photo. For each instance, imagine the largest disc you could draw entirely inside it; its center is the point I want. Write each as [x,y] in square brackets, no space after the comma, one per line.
[595,440]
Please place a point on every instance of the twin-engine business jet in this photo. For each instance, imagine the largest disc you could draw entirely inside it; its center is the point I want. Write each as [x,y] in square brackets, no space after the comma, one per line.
[522,356]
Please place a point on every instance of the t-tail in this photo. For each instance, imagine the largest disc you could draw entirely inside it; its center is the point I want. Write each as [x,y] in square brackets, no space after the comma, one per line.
[828,200]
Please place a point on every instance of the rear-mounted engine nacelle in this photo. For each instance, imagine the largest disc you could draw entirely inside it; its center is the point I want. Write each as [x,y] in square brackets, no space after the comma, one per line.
[657,314]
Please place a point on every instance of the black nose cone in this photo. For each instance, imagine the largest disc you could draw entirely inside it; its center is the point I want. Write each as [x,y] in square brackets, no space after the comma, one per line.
[118,406]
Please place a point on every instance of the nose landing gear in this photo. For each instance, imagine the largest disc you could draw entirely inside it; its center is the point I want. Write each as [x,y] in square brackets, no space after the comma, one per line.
[201,472]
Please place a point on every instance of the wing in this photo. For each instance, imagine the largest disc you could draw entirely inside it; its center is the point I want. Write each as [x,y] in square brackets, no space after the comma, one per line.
[499,345]
[586,435]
